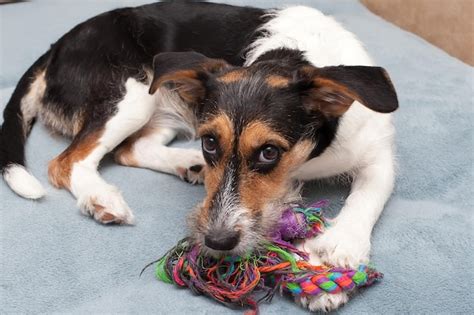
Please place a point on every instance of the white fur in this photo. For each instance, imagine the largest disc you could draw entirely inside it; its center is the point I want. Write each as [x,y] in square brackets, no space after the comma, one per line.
[173,113]
[31,102]
[134,111]
[92,191]
[22,182]
[171,116]
[227,203]
[322,39]
[326,301]
[363,146]
[232,214]
[151,152]
[163,112]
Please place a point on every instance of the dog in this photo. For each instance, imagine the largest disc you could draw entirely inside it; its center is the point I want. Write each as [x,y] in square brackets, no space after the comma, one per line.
[276,96]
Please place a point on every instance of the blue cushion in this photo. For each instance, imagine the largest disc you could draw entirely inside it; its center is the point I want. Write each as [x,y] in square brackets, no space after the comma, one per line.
[55,260]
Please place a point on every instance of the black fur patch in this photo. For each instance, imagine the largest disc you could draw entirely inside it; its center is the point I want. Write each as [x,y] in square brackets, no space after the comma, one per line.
[12,137]
[87,67]
[86,70]
[250,98]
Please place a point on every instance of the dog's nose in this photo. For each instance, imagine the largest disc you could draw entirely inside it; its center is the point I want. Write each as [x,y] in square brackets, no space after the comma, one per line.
[222,240]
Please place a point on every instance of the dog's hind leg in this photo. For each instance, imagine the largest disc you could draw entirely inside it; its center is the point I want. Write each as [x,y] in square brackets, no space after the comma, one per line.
[76,168]
[147,149]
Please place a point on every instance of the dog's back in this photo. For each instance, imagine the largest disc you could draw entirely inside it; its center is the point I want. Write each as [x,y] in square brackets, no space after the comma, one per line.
[75,86]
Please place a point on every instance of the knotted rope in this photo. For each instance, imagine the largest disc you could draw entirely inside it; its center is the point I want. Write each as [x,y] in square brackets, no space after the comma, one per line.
[277,266]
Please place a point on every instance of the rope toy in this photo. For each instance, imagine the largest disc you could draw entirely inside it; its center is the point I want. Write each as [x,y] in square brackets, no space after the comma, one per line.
[245,281]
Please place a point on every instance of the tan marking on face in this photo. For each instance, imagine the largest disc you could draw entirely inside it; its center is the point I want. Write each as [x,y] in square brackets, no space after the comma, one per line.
[213,178]
[258,190]
[277,81]
[232,76]
[221,127]
[124,155]
[257,134]
[59,169]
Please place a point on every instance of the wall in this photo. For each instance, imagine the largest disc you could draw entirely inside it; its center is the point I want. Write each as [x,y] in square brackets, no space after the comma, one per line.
[448,24]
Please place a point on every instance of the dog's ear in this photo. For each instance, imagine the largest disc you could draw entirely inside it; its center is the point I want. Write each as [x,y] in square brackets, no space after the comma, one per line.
[332,90]
[184,72]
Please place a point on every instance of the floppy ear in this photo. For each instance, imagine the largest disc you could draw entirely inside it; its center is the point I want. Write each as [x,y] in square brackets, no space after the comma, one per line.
[184,72]
[332,90]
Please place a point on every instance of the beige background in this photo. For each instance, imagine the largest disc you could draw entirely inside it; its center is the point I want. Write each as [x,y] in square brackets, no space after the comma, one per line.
[448,24]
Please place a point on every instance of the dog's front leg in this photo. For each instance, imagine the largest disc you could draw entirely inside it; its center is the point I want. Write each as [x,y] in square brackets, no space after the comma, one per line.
[347,241]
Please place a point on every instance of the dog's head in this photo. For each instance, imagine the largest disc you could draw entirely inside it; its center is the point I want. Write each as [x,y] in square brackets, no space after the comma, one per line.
[257,125]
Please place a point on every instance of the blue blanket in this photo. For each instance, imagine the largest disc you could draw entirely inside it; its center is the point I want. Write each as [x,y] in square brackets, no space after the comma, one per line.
[55,260]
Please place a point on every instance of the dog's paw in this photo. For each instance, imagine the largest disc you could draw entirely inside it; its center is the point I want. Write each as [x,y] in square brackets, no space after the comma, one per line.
[324,302]
[193,175]
[191,169]
[106,205]
[340,246]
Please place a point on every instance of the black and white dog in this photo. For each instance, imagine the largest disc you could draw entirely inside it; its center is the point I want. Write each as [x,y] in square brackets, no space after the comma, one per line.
[276,97]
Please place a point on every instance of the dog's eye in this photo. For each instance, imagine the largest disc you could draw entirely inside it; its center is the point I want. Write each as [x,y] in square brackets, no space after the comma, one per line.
[266,158]
[269,154]
[209,144]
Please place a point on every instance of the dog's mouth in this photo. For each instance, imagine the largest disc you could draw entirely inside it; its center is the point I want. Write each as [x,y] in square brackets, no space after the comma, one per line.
[246,233]
[250,238]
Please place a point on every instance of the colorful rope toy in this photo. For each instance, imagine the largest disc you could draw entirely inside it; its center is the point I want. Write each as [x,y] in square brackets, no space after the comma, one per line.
[278,266]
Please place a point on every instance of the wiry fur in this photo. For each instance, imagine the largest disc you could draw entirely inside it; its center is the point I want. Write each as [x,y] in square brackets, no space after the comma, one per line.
[237,215]
[363,146]
[173,113]
[100,97]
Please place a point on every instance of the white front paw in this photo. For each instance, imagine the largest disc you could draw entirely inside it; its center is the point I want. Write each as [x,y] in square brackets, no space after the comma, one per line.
[325,302]
[340,246]
[106,205]
[191,168]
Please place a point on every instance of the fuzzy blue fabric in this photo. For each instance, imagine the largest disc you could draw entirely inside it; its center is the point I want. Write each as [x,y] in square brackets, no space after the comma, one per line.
[54,260]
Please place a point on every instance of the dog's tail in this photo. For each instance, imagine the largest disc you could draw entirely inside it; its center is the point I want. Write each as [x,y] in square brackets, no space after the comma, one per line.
[18,118]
